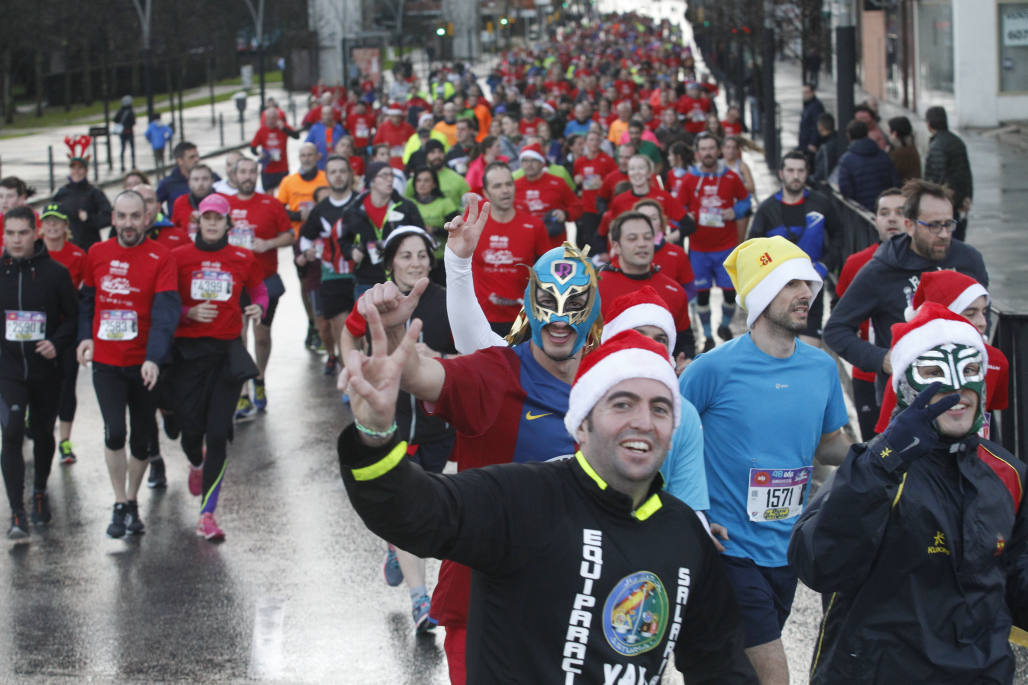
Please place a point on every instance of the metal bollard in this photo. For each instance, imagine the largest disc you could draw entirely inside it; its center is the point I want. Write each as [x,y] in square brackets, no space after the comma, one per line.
[221,130]
[50,163]
[242,135]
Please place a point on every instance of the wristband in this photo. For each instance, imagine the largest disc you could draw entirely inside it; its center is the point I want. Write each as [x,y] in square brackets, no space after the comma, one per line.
[374,433]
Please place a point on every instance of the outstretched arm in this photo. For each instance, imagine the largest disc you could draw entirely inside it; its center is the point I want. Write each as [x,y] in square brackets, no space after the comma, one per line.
[471,330]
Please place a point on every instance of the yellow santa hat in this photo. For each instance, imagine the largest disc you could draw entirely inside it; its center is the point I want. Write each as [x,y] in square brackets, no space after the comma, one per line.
[761,267]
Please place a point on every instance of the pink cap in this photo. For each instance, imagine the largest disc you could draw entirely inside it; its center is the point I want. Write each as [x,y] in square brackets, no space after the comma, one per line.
[214,203]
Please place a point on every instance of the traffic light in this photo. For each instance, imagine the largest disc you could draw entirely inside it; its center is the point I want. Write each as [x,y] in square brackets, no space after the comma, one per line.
[440,31]
[503,21]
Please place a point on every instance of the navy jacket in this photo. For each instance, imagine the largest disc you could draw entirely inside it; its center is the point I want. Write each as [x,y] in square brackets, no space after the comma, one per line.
[882,290]
[922,569]
[865,171]
[812,109]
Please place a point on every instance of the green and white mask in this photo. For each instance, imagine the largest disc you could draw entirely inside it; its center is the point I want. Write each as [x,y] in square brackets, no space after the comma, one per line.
[954,365]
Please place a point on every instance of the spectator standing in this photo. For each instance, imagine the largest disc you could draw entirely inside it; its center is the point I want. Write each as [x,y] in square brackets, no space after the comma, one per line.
[904,154]
[829,150]
[812,109]
[946,163]
[124,127]
[865,170]
[86,206]
[158,134]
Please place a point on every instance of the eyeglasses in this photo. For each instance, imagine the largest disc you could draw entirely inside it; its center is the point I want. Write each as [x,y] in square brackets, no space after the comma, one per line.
[936,227]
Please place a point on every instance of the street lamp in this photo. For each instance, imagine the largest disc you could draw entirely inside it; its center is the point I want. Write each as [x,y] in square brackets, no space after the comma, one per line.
[144,13]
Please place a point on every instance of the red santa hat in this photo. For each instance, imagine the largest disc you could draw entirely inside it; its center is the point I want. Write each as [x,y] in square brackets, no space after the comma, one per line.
[951,289]
[933,325]
[532,151]
[627,355]
[394,109]
[643,307]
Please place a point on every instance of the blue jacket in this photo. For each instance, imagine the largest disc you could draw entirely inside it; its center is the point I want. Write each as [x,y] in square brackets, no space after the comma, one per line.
[317,136]
[865,170]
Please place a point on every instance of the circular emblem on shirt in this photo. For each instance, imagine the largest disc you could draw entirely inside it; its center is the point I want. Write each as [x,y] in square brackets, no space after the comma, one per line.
[635,614]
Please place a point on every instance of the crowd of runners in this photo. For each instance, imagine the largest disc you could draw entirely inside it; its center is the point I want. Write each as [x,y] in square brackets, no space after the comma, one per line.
[518,267]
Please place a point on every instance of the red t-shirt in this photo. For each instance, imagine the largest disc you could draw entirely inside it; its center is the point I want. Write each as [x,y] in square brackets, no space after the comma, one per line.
[673,209]
[610,182]
[694,111]
[357,164]
[732,128]
[182,214]
[396,137]
[73,258]
[674,263]
[499,261]
[614,284]
[529,127]
[218,277]
[126,280]
[704,197]
[376,215]
[849,271]
[273,143]
[361,127]
[171,237]
[545,194]
[997,385]
[593,171]
[261,216]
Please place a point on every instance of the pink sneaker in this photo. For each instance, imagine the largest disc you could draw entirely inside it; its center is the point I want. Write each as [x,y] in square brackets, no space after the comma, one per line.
[196,480]
[208,529]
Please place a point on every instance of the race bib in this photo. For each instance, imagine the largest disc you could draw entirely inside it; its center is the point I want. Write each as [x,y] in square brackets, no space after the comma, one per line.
[118,325]
[208,284]
[592,182]
[711,218]
[25,326]
[362,131]
[241,236]
[275,154]
[776,494]
[396,151]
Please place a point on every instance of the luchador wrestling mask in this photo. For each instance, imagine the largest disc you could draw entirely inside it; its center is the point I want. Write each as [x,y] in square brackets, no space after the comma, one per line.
[954,365]
[562,287]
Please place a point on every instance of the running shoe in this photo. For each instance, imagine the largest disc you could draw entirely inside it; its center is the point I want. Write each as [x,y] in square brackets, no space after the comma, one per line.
[423,623]
[19,529]
[725,333]
[157,477]
[133,524]
[708,344]
[117,527]
[331,365]
[67,456]
[391,568]
[208,529]
[172,426]
[245,411]
[260,395]
[195,480]
[40,508]
[309,340]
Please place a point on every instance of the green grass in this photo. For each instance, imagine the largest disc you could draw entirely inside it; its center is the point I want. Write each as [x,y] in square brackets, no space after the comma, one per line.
[93,114]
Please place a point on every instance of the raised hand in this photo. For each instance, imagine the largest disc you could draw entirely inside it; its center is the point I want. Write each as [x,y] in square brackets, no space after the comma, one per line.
[394,308]
[912,433]
[464,233]
[373,382]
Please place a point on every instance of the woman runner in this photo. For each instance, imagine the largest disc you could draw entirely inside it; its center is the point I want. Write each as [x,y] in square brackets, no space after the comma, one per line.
[210,362]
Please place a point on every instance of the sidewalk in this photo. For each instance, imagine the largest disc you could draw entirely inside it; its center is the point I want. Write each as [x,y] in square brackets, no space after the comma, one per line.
[26,156]
[1000,170]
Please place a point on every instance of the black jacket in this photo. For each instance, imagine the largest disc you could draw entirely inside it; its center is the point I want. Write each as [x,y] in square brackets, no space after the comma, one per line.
[922,570]
[947,163]
[127,118]
[36,284]
[77,196]
[360,232]
[819,235]
[865,170]
[566,577]
[827,158]
[882,290]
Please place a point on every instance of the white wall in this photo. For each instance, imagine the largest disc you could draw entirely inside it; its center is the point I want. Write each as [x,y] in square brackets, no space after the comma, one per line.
[328,18]
[975,61]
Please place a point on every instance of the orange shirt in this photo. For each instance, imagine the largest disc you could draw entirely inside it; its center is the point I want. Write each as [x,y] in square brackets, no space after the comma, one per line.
[294,192]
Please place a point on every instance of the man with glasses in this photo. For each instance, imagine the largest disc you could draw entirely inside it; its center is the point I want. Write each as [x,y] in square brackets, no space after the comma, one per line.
[885,286]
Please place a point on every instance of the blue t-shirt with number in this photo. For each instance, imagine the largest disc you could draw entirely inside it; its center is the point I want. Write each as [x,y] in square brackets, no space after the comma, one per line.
[763,418]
